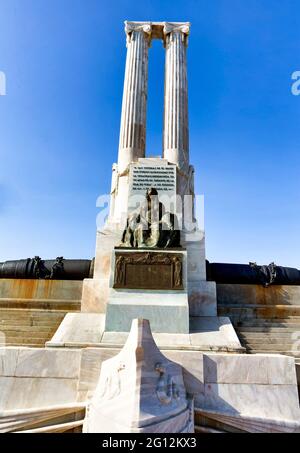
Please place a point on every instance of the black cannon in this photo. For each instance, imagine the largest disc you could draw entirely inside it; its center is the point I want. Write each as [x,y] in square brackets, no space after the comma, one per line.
[252,274]
[57,269]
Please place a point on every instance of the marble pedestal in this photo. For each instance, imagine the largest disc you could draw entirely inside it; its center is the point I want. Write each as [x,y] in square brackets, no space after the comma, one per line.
[81,330]
[202,297]
[140,391]
[167,310]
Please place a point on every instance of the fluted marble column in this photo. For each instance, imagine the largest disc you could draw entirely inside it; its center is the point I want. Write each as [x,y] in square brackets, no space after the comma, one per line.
[133,119]
[176,128]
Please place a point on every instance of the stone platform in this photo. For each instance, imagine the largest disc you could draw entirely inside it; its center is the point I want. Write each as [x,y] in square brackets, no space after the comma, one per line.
[249,393]
[79,330]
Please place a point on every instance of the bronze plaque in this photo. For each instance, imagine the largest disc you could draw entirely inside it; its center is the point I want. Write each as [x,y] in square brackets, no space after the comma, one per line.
[148,270]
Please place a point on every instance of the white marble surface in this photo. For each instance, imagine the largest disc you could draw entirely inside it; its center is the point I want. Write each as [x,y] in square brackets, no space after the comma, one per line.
[30,392]
[139,390]
[249,369]
[80,328]
[167,310]
[90,366]
[32,377]
[133,118]
[39,363]
[262,386]
[245,387]
[270,401]
[202,298]
[194,242]
[250,424]
[94,295]
[49,418]
[176,128]
[8,360]
[205,333]
[213,332]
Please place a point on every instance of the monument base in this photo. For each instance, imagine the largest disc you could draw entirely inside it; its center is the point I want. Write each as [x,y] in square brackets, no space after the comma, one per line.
[167,311]
[162,298]
[80,330]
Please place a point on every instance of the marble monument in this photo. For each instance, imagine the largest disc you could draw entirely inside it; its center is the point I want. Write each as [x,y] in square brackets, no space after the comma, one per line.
[172,177]
[105,370]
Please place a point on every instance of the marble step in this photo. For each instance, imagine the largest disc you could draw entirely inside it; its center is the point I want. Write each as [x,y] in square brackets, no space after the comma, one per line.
[31,320]
[258,311]
[291,321]
[267,341]
[30,311]
[266,330]
[16,334]
[69,427]
[267,301]
[45,304]
[23,341]
[206,423]
[7,328]
[29,327]
[270,347]
[16,324]
[207,430]
[290,353]
[282,334]
[31,345]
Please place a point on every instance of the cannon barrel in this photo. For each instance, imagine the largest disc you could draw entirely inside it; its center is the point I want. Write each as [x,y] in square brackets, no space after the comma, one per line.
[55,269]
[252,274]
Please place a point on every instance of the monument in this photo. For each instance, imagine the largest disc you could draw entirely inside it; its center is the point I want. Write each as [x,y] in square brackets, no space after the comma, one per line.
[152,269]
[147,352]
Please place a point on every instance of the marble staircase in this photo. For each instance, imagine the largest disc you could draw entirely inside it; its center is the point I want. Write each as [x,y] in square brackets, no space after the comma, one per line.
[267,320]
[206,425]
[32,310]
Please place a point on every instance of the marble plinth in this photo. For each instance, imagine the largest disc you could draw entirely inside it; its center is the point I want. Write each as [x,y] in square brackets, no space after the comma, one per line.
[167,310]
[79,330]
[140,391]
[253,393]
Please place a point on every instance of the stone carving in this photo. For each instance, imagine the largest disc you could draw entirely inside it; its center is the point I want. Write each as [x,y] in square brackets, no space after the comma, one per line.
[144,404]
[150,227]
[119,272]
[135,27]
[173,27]
[112,383]
[166,388]
[146,270]
[177,272]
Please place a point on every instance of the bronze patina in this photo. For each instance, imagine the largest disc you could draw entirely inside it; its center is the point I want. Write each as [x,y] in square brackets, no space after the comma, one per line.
[148,270]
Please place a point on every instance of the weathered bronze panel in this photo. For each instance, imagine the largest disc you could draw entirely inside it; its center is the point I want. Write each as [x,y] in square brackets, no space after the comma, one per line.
[148,270]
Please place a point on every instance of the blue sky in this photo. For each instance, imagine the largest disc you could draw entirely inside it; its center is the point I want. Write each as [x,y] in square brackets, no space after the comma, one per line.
[59,122]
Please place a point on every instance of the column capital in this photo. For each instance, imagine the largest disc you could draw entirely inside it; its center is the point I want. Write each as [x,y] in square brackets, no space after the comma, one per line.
[131,27]
[177,27]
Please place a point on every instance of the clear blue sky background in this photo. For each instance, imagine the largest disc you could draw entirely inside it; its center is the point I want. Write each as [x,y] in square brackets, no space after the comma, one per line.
[59,123]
